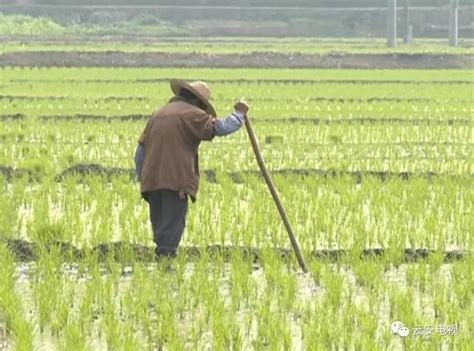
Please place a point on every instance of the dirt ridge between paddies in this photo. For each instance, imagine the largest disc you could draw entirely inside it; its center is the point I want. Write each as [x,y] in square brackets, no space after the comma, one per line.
[294,119]
[83,170]
[254,81]
[27,251]
[341,100]
[252,59]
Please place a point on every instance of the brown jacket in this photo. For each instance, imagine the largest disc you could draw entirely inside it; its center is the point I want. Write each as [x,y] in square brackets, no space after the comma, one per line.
[171,138]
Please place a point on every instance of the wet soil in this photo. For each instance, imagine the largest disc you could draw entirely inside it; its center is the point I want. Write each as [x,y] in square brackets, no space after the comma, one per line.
[26,251]
[84,170]
[253,59]
[13,117]
[87,118]
[341,100]
[11,173]
[295,119]
[252,81]
[358,176]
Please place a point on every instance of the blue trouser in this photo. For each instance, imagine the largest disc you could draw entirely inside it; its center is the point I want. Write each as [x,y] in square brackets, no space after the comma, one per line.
[168,219]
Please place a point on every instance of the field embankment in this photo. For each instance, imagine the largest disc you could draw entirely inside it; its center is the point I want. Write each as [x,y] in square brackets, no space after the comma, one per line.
[252,59]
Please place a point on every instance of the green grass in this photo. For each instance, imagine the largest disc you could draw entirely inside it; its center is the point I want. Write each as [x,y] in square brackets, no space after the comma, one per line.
[244,45]
[423,125]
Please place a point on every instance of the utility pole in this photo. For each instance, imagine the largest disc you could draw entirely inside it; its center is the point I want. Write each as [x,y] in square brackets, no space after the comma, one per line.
[453,23]
[391,23]
[408,27]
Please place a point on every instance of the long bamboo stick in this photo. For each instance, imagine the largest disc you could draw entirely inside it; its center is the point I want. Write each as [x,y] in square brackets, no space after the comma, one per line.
[275,196]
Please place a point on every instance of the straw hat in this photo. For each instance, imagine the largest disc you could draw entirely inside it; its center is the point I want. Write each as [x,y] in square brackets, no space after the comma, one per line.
[200,89]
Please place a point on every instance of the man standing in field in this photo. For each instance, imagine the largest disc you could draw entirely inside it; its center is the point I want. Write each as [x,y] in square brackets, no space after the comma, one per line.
[166,158]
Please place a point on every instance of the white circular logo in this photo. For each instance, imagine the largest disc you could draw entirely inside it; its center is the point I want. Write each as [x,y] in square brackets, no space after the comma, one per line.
[395,327]
[399,328]
[403,331]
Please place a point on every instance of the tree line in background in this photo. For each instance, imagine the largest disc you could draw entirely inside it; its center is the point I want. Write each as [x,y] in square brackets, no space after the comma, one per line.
[269,3]
[247,21]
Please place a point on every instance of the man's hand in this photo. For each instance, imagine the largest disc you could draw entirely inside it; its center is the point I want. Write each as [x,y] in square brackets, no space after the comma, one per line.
[242,106]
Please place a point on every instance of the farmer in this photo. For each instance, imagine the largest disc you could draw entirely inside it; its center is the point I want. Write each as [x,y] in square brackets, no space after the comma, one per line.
[166,158]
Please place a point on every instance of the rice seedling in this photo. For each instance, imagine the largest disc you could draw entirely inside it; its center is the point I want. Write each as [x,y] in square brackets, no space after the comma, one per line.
[371,165]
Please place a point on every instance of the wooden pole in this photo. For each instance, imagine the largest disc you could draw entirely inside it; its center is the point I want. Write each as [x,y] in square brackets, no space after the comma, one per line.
[276,198]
